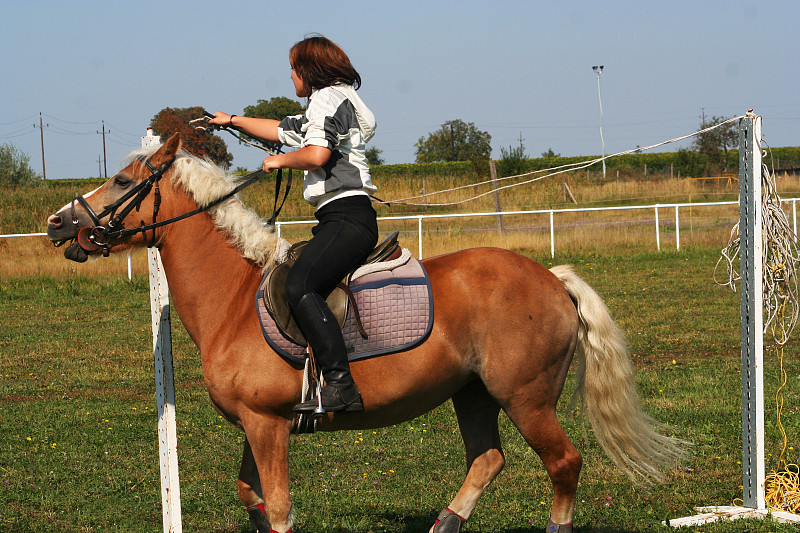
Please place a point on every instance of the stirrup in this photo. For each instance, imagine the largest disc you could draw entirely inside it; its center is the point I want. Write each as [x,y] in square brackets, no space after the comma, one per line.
[318,408]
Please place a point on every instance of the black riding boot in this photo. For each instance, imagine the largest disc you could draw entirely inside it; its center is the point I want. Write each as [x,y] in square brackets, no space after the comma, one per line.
[322,332]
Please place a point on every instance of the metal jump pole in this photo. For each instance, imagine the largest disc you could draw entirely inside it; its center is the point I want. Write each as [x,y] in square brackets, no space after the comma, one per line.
[751,259]
[165,385]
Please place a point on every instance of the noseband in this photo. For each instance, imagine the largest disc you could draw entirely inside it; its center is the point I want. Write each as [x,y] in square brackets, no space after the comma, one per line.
[93,238]
[97,237]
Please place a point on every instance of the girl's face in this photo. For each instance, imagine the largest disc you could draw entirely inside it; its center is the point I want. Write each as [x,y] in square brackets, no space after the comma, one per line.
[299,86]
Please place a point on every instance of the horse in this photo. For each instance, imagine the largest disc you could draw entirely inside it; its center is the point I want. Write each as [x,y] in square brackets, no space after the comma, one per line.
[504,335]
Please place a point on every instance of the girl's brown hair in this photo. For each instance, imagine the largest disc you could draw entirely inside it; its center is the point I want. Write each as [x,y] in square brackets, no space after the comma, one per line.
[321,63]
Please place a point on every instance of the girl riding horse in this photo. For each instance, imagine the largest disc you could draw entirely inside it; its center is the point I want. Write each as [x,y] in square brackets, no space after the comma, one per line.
[330,138]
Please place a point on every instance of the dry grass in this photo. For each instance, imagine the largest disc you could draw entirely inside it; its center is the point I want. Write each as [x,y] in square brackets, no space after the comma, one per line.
[585,232]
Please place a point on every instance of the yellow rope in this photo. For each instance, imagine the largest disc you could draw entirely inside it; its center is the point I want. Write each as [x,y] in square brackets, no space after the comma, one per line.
[782,487]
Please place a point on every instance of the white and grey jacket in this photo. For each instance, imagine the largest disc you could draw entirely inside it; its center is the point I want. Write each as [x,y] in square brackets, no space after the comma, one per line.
[337,119]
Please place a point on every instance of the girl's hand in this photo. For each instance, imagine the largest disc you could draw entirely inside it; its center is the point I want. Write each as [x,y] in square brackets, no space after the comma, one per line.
[271,163]
[220,119]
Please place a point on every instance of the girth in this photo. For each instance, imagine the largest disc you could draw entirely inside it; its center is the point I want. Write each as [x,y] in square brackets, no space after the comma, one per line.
[340,300]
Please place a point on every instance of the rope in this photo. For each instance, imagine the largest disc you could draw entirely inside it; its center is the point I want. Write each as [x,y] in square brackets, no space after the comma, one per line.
[781,310]
[553,171]
[780,286]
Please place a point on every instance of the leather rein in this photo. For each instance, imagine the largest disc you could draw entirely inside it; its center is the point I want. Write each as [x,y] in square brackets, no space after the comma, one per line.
[97,237]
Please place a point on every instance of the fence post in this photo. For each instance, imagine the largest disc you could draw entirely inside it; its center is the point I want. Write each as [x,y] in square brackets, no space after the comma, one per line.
[165,395]
[552,237]
[658,232]
[419,232]
[677,230]
[497,208]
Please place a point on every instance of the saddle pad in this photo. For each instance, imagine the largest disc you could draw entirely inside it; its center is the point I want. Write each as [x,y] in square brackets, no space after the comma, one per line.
[396,309]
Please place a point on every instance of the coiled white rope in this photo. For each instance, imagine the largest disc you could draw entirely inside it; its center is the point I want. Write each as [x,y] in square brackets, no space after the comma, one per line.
[780,260]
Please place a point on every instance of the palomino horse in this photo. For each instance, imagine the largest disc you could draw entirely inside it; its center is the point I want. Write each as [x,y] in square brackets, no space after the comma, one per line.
[505,332]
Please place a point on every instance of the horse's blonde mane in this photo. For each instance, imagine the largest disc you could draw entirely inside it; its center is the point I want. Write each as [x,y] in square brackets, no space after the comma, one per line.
[206,182]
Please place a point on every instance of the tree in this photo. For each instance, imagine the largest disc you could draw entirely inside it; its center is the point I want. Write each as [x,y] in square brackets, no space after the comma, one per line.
[276,108]
[512,161]
[550,153]
[373,155]
[714,144]
[15,169]
[454,141]
[198,142]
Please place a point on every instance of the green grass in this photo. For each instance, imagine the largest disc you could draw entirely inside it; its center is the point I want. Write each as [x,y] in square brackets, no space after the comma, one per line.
[78,449]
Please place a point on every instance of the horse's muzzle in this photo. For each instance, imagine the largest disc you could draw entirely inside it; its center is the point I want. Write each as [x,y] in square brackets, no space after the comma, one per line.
[60,233]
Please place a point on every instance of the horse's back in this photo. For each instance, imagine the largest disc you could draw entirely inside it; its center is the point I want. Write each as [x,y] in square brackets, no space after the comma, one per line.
[497,279]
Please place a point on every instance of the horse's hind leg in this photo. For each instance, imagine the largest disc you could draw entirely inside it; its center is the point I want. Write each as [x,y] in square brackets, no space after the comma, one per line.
[542,431]
[477,419]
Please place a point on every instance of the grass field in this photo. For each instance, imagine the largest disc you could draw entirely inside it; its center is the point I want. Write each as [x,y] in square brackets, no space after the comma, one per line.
[78,450]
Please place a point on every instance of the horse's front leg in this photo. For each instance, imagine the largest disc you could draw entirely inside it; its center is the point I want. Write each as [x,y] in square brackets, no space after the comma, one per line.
[264,474]
[250,490]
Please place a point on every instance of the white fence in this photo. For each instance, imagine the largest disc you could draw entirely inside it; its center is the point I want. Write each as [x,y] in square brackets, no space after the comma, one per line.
[552,213]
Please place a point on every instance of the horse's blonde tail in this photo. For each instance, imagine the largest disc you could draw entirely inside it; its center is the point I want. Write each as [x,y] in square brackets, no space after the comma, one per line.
[607,389]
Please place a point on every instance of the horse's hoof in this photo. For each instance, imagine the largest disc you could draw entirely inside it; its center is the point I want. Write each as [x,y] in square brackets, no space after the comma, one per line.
[552,527]
[258,519]
[447,522]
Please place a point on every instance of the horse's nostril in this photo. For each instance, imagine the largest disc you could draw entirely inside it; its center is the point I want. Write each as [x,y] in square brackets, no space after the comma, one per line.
[54,220]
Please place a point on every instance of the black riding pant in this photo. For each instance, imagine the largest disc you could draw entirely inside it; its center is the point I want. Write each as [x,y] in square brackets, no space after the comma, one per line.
[346,233]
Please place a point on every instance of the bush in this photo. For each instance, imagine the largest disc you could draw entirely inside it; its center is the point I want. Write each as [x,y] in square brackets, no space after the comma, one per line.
[15,170]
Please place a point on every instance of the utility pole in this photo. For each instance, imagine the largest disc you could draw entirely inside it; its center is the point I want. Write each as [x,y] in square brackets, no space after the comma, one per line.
[452,144]
[598,69]
[99,168]
[105,169]
[41,135]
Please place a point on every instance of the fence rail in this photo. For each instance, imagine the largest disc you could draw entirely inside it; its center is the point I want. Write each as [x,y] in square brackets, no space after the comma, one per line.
[552,214]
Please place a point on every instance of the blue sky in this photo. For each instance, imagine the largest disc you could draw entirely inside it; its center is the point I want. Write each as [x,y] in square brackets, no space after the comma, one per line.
[515,69]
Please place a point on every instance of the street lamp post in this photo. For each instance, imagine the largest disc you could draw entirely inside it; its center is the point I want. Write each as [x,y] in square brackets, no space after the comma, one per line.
[598,69]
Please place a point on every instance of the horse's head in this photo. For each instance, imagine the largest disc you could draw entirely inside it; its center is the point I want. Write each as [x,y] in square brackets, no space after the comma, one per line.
[108,216]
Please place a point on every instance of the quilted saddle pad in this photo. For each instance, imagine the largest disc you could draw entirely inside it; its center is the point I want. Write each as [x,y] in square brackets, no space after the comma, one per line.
[396,309]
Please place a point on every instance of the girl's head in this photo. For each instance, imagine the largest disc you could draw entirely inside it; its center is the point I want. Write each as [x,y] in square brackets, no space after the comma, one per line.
[318,62]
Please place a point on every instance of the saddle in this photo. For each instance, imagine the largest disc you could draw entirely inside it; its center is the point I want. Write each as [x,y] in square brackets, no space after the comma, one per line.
[340,300]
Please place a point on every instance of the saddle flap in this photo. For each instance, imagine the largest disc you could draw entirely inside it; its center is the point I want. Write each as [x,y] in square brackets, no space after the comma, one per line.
[278,307]
[339,300]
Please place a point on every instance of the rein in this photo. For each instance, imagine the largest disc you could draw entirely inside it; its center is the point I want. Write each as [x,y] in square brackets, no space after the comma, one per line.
[97,237]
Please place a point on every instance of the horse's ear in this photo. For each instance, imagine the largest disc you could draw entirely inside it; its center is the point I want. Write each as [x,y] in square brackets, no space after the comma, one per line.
[167,152]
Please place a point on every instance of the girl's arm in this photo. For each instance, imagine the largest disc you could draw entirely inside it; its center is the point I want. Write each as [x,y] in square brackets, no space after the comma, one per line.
[307,158]
[263,128]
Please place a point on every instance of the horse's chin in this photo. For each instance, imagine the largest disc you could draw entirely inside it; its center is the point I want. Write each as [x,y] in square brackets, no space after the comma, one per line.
[75,253]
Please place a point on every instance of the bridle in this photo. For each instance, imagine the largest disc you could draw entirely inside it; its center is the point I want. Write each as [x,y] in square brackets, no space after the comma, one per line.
[97,237]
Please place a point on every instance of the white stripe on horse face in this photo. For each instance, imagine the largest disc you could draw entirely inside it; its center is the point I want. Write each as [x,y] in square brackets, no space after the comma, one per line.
[87,195]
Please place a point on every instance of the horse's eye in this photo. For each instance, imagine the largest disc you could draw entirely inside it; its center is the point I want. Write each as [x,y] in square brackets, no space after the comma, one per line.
[122,182]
